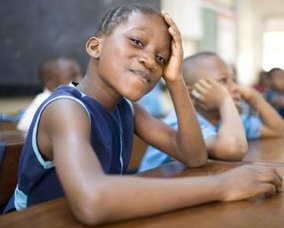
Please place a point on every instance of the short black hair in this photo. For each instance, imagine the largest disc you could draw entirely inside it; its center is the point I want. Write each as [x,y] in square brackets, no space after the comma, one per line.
[198,56]
[120,14]
[46,69]
[273,71]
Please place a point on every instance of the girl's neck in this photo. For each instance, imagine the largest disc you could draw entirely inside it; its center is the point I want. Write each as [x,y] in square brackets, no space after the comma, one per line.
[93,86]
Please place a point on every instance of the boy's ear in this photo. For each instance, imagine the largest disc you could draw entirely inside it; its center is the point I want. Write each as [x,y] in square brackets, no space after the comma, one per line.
[93,47]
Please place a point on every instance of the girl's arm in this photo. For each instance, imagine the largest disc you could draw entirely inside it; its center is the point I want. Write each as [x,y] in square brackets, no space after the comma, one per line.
[187,144]
[96,198]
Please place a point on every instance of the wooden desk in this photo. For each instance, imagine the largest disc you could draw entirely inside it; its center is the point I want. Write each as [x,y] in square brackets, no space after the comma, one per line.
[13,141]
[250,213]
[267,150]
[12,137]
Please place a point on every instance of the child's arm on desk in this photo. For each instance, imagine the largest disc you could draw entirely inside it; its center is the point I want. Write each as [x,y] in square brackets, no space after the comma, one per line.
[273,124]
[96,197]
[230,142]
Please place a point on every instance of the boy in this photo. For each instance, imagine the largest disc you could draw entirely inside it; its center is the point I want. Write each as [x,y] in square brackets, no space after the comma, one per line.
[275,94]
[217,100]
[52,72]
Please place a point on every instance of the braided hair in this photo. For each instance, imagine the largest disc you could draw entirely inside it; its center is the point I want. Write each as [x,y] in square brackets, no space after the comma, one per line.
[119,15]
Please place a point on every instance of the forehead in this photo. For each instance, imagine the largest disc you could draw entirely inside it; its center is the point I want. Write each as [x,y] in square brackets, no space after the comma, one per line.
[278,74]
[151,25]
[216,68]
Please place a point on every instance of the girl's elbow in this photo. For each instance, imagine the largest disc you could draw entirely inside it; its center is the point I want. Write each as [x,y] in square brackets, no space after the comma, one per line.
[90,210]
[199,161]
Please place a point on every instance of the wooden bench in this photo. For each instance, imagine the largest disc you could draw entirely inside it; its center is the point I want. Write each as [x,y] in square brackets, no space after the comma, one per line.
[9,171]
[8,126]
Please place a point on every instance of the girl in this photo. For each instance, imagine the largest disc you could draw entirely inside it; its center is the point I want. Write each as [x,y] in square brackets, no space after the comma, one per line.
[85,132]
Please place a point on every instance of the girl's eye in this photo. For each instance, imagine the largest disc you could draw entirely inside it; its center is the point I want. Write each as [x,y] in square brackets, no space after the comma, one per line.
[160,60]
[137,42]
[223,81]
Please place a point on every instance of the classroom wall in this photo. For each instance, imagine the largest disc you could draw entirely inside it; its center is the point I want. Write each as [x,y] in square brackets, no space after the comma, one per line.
[32,30]
[252,14]
[205,25]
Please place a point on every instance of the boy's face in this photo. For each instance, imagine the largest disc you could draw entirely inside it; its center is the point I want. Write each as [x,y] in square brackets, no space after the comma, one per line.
[216,68]
[133,56]
[66,72]
[277,81]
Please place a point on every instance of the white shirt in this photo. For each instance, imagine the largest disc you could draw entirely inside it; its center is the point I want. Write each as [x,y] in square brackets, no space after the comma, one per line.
[25,121]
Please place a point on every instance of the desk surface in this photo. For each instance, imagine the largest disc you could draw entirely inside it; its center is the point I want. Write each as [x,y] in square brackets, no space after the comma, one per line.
[12,137]
[258,212]
[267,150]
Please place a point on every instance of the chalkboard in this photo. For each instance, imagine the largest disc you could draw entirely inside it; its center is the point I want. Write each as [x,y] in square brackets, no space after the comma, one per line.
[32,30]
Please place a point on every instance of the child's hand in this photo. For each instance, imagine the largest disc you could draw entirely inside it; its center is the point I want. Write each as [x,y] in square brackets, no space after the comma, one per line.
[248,94]
[172,70]
[245,92]
[250,181]
[209,94]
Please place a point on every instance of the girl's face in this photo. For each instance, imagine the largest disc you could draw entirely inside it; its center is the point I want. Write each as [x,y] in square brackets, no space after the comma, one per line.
[133,56]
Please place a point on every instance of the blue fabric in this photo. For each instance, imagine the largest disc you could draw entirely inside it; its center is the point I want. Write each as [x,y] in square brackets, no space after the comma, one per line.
[151,102]
[252,125]
[11,118]
[154,158]
[2,152]
[111,139]
[270,96]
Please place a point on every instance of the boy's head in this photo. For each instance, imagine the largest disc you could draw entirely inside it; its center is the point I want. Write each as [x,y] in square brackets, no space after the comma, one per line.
[276,79]
[204,65]
[131,49]
[58,71]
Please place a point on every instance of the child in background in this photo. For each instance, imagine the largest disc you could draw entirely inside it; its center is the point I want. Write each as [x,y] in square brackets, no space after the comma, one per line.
[52,72]
[263,83]
[80,139]
[217,100]
[275,94]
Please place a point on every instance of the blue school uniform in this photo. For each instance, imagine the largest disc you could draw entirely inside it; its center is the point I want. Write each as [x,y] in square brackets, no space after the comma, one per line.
[154,158]
[151,102]
[270,95]
[111,138]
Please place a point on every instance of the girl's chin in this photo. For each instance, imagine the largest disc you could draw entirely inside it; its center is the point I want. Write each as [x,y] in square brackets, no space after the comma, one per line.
[134,96]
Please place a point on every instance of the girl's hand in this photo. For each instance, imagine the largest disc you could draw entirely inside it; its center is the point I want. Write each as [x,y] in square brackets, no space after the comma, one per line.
[172,71]
[250,181]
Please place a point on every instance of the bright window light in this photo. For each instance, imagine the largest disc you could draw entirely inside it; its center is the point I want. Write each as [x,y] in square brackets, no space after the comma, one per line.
[273,52]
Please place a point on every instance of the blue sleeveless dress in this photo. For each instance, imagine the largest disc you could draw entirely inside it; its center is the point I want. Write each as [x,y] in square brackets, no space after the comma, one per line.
[111,139]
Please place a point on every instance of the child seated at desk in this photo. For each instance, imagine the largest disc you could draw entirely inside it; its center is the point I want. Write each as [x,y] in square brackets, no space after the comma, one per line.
[52,72]
[80,140]
[275,93]
[217,99]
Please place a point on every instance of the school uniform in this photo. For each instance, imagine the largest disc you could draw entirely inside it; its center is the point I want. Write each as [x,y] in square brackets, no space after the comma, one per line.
[154,158]
[27,117]
[111,138]
[271,95]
